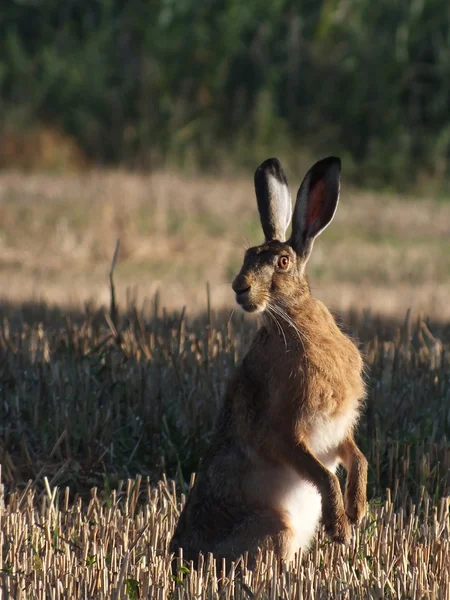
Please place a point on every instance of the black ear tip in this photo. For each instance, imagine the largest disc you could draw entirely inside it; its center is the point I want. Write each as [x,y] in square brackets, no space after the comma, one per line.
[329,166]
[272,167]
[337,161]
[270,163]
[332,161]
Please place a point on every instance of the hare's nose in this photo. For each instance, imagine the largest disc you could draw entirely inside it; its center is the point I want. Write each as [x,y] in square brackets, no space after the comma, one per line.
[240,286]
[242,291]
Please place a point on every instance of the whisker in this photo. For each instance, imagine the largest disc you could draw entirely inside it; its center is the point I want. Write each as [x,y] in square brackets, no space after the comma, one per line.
[283,315]
[295,326]
[279,326]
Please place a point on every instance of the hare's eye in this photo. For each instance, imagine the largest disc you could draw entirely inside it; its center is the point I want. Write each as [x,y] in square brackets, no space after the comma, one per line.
[283,262]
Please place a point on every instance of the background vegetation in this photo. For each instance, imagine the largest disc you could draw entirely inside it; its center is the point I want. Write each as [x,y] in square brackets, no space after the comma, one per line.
[220,81]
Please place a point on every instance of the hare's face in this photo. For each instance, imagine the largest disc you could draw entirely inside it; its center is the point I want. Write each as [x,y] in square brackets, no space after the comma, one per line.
[271,275]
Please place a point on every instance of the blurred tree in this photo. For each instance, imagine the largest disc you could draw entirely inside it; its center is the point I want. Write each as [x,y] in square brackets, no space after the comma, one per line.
[202,81]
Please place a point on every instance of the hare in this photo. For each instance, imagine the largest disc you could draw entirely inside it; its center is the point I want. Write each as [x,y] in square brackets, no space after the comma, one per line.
[290,408]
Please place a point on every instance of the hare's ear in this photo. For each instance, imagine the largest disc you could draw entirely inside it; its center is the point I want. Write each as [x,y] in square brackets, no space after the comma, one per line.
[273,198]
[316,204]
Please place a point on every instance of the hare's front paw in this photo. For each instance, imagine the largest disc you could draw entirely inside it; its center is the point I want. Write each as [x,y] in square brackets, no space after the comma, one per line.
[338,528]
[355,506]
[355,503]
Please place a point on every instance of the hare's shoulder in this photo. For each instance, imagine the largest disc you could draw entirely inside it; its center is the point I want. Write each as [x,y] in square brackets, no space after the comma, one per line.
[334,367]
[329,345]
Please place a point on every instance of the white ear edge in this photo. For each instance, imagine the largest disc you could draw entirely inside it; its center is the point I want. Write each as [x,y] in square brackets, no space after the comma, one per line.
[281,192]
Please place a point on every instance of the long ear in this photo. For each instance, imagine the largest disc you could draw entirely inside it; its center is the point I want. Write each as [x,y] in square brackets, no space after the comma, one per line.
[316,204]
[273,198]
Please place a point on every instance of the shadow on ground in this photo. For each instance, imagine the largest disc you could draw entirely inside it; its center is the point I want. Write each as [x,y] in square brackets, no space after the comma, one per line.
[88,399]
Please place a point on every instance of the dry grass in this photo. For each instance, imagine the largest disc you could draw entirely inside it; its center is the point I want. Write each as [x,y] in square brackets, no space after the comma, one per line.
[86,402]
[115,546]
[89,404]
[58,232]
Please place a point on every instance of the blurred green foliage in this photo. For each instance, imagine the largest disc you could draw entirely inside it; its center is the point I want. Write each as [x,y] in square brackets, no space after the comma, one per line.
[203,82]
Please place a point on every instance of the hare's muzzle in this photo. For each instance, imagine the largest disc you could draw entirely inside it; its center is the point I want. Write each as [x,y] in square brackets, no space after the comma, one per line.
[248,291]
[242,294]
[241,289]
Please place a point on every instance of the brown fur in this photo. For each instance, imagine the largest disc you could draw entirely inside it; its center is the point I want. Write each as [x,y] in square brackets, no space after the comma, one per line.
[300,373]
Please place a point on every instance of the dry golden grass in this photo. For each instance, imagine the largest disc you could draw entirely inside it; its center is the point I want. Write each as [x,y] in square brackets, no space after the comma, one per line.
[58,232]
[115,546]
[89,402]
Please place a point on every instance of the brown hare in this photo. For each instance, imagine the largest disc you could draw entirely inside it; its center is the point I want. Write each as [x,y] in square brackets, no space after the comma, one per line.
[291,406]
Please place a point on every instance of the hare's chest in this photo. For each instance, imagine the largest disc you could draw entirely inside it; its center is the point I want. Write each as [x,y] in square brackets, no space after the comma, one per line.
[327,433]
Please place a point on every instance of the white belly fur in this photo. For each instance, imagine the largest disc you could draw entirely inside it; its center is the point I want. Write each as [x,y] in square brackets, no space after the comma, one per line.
[303,505]
[298,498]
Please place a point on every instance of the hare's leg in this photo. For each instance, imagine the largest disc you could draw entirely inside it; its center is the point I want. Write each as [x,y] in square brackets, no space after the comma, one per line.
[261,530]
[309,466]
[356,488]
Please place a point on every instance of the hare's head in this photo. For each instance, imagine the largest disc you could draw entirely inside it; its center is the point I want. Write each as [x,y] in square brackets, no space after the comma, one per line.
[274,272]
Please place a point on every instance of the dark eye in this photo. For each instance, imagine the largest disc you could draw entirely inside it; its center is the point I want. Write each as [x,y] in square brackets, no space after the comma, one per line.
[283,262]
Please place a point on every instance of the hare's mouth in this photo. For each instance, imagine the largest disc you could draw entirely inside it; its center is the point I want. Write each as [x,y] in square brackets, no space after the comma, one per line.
[245,301]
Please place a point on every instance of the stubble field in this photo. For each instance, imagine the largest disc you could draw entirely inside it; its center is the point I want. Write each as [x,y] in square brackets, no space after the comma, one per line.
[105,414]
